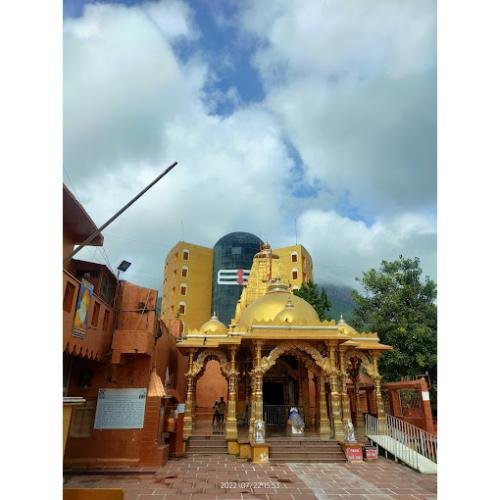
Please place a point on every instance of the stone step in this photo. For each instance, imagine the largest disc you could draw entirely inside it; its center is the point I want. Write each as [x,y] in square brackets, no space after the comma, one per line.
[288,445]
[203,449]
[291,460]
[207,443]
[207,438]
[192,453]
[273,453]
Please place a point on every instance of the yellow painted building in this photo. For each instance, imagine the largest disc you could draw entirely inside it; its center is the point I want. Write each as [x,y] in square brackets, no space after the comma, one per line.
[187,284]
[296,265]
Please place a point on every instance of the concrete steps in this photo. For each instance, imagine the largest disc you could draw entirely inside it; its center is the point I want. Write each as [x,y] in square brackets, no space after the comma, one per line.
[305,450]
[206,445]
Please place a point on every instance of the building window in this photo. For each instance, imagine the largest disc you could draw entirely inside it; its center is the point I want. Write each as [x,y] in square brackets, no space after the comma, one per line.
[95,314]
[172,310]
[176,256]
[183,289]
[69,293]
[82,420]
[182,308]
[173,291]
[185,254]
[105,322]
[295,274]
[84,378]
[175,273]
[184,272]
[294,257]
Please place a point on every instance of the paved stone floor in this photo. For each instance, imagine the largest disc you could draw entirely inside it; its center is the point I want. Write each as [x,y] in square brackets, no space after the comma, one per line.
[225,477]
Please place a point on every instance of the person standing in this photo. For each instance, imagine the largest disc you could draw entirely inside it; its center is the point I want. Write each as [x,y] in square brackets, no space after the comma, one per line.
[222,409]
[216,414]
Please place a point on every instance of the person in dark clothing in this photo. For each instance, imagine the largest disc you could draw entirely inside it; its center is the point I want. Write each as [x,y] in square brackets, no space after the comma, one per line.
[215,415]
[222,410]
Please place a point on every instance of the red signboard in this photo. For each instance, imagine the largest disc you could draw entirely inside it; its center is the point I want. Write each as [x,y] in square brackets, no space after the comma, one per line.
[354,454]
[371,453]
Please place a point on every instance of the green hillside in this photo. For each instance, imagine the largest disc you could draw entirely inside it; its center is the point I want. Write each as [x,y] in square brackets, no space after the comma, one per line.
[341,300]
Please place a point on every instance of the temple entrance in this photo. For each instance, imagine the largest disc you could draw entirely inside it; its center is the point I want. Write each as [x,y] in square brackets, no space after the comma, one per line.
[280,392]
[274,393]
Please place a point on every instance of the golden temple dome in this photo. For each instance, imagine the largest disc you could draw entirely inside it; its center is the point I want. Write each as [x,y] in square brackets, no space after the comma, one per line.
[345,327]
[213,325]
[277,300]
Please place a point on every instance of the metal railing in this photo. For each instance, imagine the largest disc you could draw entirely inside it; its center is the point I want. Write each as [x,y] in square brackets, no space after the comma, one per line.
[278,414]
[410,440]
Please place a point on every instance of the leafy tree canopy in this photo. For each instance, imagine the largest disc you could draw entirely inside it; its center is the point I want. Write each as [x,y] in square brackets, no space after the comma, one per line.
[317,298]
[400,306]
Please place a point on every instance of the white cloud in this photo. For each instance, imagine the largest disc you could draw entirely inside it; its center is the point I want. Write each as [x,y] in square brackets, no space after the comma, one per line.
[344,248]
[131,107]
[353,85]
[121,82]
[173,18]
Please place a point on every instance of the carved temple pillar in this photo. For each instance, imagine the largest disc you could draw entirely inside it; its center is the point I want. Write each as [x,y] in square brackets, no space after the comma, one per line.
[382,419]
[354,368]
[257,397]
[346,405]
[231,422]
[338,428]
[251,422]
[188,410]
[324,423]
[360,421]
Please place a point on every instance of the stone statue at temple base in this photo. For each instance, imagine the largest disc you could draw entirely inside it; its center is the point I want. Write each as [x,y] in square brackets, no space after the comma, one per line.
[349,432]
[295,423]
[260,432]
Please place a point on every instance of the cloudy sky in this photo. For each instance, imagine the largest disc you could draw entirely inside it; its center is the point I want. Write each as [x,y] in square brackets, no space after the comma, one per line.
[318,115]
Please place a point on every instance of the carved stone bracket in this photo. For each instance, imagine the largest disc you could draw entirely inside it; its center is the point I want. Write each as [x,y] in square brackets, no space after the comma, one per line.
[206,356]
[323,363]
[366,360]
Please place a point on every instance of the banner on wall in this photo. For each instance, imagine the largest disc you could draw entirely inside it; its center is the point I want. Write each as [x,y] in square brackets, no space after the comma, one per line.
[80,323]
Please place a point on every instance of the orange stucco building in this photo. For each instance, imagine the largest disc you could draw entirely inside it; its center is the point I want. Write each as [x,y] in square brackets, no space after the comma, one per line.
[120,351]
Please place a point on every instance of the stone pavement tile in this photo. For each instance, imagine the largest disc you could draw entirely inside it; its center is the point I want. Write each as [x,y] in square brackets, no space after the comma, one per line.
[334,491]
[280,496]
[361,491]
[201,477]
[403,497]
[353,497]
[137,491]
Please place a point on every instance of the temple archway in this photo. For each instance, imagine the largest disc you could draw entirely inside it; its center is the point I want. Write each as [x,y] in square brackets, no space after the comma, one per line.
[211,384]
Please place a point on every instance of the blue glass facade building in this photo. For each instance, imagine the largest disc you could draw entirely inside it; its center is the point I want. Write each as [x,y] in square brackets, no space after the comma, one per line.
[233,257]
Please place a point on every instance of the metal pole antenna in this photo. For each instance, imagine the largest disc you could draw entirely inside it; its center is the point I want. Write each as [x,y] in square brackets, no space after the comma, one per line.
[107,223]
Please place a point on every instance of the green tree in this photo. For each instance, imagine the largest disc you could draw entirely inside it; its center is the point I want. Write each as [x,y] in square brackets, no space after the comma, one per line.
[318,299]
[400,306]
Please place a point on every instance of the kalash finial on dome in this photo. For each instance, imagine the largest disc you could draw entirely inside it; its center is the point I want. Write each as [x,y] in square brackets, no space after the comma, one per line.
[213,325]
[276,285]
[288,314]
[342,321]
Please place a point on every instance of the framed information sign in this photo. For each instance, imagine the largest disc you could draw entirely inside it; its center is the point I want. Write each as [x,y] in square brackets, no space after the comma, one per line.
[120,408]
